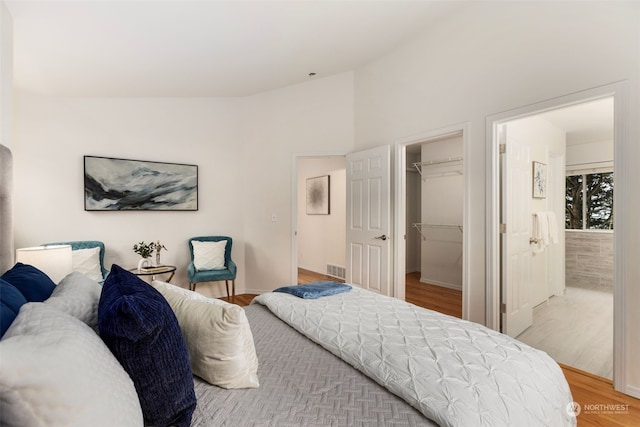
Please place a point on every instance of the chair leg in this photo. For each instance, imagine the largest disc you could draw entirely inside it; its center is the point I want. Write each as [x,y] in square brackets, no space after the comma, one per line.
[226,282]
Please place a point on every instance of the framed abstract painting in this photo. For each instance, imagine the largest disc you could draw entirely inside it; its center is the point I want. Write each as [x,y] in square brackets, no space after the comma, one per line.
[112,184]
[318,195]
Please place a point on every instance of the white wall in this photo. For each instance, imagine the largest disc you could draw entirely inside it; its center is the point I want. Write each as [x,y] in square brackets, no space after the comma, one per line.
[321,238]
[499,56]
[442,204]
[53,135]
[310,118]
[243,148]
[493,57]
[6,76]
[581,155]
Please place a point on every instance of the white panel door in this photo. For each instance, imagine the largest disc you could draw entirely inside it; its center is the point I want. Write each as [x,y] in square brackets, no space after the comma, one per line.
[516,169]
[369,220]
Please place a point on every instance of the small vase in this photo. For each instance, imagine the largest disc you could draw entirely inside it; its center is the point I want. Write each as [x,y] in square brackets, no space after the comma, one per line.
[157,259]
[144,262]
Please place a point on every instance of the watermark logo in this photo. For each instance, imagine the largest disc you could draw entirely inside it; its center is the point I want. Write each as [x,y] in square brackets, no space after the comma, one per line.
[606,408]
[573,409]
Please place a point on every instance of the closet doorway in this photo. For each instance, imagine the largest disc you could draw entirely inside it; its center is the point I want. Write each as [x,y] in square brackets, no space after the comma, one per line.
[432,271]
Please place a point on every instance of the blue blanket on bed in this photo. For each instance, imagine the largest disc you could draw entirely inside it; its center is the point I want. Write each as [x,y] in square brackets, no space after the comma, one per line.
[315,289]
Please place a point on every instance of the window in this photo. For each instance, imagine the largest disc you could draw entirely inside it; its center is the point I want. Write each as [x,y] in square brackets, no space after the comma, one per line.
[589,202]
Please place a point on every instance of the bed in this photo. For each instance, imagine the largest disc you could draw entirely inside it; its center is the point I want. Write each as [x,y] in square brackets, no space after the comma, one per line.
[300,384]
[354,358]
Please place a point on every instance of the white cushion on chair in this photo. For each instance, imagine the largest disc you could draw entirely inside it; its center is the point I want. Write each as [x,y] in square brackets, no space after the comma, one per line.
[87,261]
[208,255]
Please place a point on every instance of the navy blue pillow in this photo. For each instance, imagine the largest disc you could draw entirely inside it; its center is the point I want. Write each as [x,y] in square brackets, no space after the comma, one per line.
[31,282]
[7,316]
[140,329]
[10,302]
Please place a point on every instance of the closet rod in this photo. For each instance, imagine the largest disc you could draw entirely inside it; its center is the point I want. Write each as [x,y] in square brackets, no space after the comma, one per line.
[420,225]
[421,165]
[457,159]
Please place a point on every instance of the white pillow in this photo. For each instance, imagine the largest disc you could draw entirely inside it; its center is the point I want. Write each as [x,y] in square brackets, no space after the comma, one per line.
[218,337]
[78,296]
[87,261]
[56,371]
[208,255]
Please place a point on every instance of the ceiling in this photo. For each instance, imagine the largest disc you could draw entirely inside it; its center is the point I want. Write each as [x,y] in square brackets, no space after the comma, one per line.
[218,48]
[584,123]
[206,48]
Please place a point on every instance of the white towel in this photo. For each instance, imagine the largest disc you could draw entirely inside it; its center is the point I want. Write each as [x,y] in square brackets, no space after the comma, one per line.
[540,226]
[543,223]
[544,230]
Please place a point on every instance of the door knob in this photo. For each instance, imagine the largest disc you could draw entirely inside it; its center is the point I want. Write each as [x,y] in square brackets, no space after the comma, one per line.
[383,237]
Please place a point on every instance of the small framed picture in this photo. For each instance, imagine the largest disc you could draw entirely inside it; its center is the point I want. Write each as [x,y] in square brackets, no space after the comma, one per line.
[318,195]
[539,180]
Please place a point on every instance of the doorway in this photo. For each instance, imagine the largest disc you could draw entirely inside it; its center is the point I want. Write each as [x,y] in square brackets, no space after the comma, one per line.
[573,144]
[431,212]
[319,236]
[367,234]
[496,277]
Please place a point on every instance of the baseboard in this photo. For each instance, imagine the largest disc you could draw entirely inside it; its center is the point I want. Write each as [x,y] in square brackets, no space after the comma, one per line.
[313,270]
[322,273]
[254,292]
[304,267]
[633,391]
[441,284]
[223,294]
[586,374]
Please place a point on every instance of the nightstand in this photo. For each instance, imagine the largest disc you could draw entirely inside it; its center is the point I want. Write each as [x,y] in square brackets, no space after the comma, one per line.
[154,271]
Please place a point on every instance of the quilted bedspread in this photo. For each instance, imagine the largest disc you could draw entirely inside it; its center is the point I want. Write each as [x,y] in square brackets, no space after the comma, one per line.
[455,372]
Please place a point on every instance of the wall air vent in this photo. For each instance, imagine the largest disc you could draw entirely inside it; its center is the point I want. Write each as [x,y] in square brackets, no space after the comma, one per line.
[336,271]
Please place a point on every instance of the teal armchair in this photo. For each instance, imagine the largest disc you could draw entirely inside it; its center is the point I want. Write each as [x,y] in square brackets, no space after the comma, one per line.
[227,273]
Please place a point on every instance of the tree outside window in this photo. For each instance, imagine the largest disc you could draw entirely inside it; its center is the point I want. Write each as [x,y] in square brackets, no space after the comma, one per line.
[589,202]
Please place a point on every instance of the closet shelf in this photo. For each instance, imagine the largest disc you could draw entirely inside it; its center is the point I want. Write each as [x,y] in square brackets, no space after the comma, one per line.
[420,226]
[432,168]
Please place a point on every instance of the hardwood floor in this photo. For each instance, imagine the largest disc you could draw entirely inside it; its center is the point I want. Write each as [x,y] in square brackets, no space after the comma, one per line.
[600,404]
[241,300]
[306,276]
[436,298]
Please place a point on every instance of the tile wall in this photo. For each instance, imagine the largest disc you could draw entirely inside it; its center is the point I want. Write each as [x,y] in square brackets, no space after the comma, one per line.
[589,259]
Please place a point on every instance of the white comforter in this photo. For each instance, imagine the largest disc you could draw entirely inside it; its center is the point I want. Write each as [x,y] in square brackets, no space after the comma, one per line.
[455,372]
